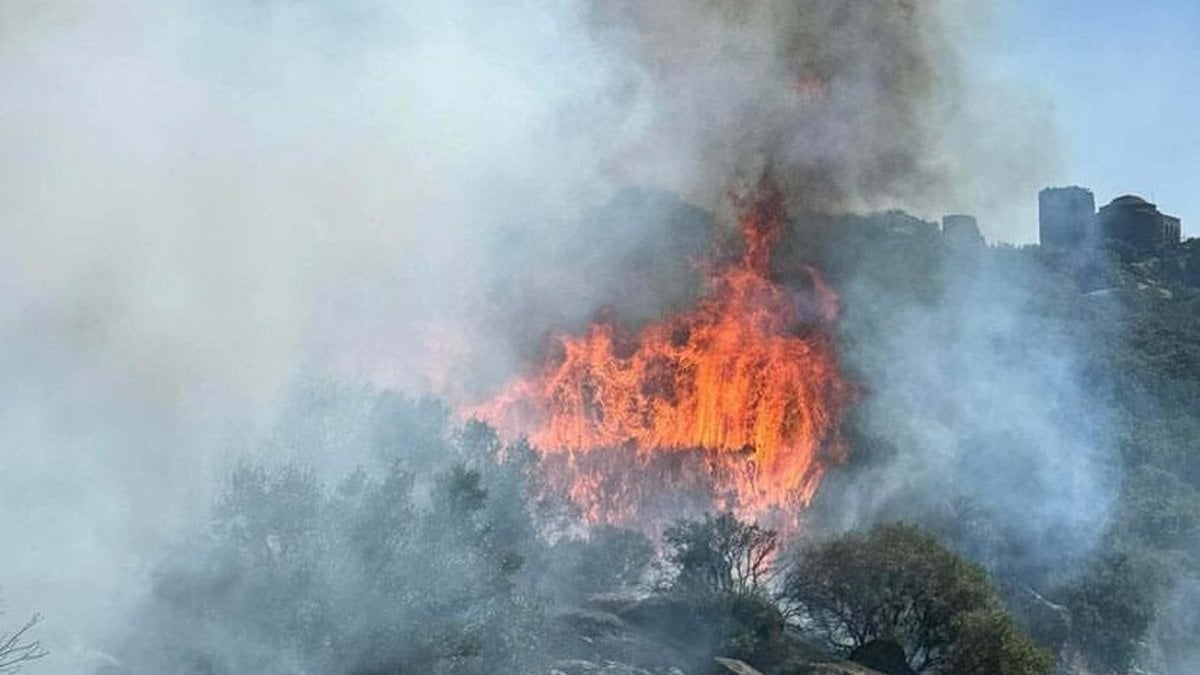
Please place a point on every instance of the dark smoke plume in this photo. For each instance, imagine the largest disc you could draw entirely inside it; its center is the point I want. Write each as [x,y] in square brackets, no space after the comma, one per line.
[859,105]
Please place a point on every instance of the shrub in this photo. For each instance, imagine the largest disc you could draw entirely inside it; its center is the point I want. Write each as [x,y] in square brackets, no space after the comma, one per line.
[896,583]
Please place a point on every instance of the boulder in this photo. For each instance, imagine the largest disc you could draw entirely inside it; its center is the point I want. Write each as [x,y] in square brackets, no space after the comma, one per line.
[736,666]
[884,656]
[584,667]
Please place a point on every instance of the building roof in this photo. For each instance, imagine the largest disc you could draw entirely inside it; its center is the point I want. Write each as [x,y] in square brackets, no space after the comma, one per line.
[1065,188]
[1130,201]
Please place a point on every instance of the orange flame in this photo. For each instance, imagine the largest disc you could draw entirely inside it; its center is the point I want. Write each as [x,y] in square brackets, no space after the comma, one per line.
[742,395]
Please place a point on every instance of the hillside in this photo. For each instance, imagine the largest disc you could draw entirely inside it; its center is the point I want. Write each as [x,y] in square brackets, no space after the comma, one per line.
[1032,421]
[1120,588]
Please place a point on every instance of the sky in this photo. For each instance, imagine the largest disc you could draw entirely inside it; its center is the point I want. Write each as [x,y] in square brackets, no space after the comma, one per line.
[1123,82]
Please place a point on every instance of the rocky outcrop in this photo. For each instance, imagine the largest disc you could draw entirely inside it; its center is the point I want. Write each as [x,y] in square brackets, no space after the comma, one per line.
[582,667]
[609,642]
[659,635]
[841,668]
[884,656]
[737,667]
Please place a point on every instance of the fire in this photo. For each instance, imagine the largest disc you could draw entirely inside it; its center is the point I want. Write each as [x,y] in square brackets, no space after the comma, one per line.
[739,399]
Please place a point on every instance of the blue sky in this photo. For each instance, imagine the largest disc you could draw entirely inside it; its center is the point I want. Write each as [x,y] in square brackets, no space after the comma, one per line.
[1124,82]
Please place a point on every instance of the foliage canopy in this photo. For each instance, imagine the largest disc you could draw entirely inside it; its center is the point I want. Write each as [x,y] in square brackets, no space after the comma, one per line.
[896,583]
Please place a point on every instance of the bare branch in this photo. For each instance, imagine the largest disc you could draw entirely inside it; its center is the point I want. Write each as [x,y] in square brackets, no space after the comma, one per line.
[15,649]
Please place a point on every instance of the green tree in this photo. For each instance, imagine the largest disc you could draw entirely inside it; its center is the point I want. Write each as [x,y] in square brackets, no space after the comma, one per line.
[1113,605]
[988,643]
[897,583]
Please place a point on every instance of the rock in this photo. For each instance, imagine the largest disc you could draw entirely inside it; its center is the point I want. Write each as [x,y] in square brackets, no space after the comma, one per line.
[884,656]
[583,667]
[668,635]
[584,636]
[590,623]
[736,666]
[840,668]
[844,668]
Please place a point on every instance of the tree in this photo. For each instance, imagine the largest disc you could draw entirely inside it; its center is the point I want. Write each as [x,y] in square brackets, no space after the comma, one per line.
[1113,604]
[17,648]
[721,554]
[898,584]
[609,559]
[990,644]
[398,568]
[723,568]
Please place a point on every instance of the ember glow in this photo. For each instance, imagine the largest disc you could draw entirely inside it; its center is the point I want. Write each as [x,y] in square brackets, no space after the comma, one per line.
[739,399]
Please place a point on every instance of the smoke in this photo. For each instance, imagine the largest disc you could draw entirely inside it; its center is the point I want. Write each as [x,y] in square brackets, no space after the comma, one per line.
[1177,621]
[860,106]
[987,413]
[206,202]
[201,200]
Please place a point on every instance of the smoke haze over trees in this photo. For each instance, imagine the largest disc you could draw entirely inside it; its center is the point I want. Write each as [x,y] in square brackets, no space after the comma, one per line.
[232,231]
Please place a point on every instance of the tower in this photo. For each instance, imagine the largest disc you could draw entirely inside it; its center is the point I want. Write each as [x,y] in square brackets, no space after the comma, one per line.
[1067,217]
[961,228]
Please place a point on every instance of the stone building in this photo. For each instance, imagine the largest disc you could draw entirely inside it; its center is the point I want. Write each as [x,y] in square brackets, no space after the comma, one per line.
[1172,229]
[1134,222]
[961,228]
[1067,217]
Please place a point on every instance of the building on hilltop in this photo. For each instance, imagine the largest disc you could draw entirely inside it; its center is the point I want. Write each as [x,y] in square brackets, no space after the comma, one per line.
[1172,229]
[899,221]
[1068,220]
[958,228]
[1134,222]
[1067,217]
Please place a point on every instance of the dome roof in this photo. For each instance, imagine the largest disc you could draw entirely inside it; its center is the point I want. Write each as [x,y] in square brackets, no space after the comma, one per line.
[1130,200]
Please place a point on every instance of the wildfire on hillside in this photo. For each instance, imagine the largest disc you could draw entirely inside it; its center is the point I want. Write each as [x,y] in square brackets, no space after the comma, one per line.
[736,402]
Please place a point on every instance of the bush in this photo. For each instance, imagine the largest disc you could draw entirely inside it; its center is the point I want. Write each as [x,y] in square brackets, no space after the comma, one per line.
[722,569]
[896,583]
[392,571]
[609,559]
[720,554]
[745,626]
[1113,605]
[989,644]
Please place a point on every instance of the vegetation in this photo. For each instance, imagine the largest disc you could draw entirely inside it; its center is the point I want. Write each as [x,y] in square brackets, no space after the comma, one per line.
[721,571]
[1125,329]
[1113,606]
[392,573]
[18,648]
[449,555]
[609,558]
[898,584]
[987,642]
[720,554]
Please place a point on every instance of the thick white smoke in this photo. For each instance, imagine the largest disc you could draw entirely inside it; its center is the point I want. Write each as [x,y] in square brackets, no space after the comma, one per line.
[202,201]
